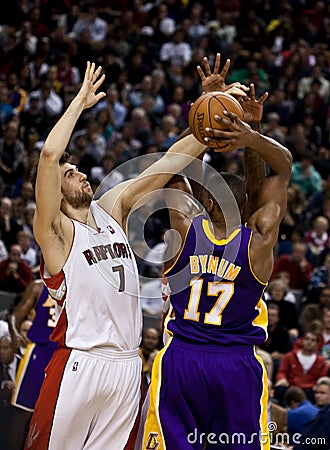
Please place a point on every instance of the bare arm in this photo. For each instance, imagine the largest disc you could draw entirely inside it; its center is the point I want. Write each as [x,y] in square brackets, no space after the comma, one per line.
[254,165]
[50,225]
[252,109]
[27,302]
[271,200]
[123,199]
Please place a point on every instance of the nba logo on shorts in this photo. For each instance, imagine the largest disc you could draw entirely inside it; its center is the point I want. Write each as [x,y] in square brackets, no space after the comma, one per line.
[152,443]
[75,366]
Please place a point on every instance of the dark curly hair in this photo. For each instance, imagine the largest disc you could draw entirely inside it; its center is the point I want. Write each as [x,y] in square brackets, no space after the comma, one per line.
[66,157]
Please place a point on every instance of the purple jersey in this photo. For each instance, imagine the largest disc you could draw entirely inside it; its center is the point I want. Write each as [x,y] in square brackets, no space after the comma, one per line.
[44,321]
[215,295]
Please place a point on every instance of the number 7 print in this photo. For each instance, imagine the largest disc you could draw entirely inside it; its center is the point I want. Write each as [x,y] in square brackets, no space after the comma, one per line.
[120,270]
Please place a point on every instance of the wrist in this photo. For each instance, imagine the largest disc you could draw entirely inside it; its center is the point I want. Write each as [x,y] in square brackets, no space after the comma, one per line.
[77,104]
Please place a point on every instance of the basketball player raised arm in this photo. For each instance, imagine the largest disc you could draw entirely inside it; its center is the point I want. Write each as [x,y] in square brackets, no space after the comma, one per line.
[271,201]
[253,162]
[252,109]
[62,192]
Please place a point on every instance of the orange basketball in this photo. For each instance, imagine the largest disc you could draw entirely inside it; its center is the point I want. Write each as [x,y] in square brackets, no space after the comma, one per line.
[202,112]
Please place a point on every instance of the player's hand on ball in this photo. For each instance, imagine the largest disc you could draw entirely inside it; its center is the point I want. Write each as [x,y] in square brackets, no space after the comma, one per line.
[234,133]
[238,91]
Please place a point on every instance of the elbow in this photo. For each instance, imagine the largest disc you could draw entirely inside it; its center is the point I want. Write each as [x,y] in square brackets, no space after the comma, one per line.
[286,173]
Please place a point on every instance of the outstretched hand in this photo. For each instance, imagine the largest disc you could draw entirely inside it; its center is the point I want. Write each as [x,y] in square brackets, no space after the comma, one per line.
[92,81]
[253,108]
[216,81]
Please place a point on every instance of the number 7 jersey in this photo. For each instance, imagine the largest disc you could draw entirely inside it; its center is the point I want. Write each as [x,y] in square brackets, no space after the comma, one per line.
[98,288]
[216,298]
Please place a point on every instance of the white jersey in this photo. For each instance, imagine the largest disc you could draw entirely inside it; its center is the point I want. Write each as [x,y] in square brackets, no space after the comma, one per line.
[98,288]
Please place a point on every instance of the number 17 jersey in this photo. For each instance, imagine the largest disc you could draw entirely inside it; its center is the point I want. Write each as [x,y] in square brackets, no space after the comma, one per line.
[215,296]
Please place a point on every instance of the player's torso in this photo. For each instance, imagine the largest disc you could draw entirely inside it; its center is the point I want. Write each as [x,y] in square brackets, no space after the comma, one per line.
[216,298]
[102,301]
[45,319]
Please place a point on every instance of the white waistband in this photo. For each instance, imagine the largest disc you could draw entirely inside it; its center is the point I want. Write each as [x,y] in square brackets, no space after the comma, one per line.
[109,353]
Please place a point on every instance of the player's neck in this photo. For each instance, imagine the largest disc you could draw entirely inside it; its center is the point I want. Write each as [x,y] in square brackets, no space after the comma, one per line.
[82,215]
[221,230]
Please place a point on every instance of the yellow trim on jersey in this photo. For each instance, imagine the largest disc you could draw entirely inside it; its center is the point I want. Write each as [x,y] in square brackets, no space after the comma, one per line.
[262,318]
[210,235]
[264,437]
[250,265]
[153,434]
[181,249]
[21,372]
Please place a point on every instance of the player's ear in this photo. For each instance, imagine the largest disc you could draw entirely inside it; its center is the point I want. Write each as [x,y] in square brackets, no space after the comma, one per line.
[246,200]
[209,204]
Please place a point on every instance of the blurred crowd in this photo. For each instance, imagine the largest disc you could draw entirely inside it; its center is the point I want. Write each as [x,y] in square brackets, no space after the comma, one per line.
[149,51]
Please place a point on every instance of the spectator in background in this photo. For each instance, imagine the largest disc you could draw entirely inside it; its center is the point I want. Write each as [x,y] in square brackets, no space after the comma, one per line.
[33,121]
[9,227]
[67,75]
[285,278]
[25,192]
[96,144]
[89,20]
[305,83]
[49,103]
[288,312]
[176,53]
[17,94]
[297,265]
[9,362]
[140,126]
[315,204]
[317,238]
[3,251]
[29,254]
[315,327]
[315,310]
[301,368]
[301,410]
[15,274]
[6,110]
[278,341]
[84,159]
[106,173]
[279,105]
[294,219]
[145,88]
[169,125]
[178,97]
[114,106]
[319,427]
[11,156]
[325,336]
[272,128]
[321,274]
[305,176]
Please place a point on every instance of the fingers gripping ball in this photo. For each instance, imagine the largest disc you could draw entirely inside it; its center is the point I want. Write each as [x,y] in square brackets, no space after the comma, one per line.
[202,112]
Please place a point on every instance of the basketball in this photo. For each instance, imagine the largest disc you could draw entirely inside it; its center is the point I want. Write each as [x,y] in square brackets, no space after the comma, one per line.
[202,112]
